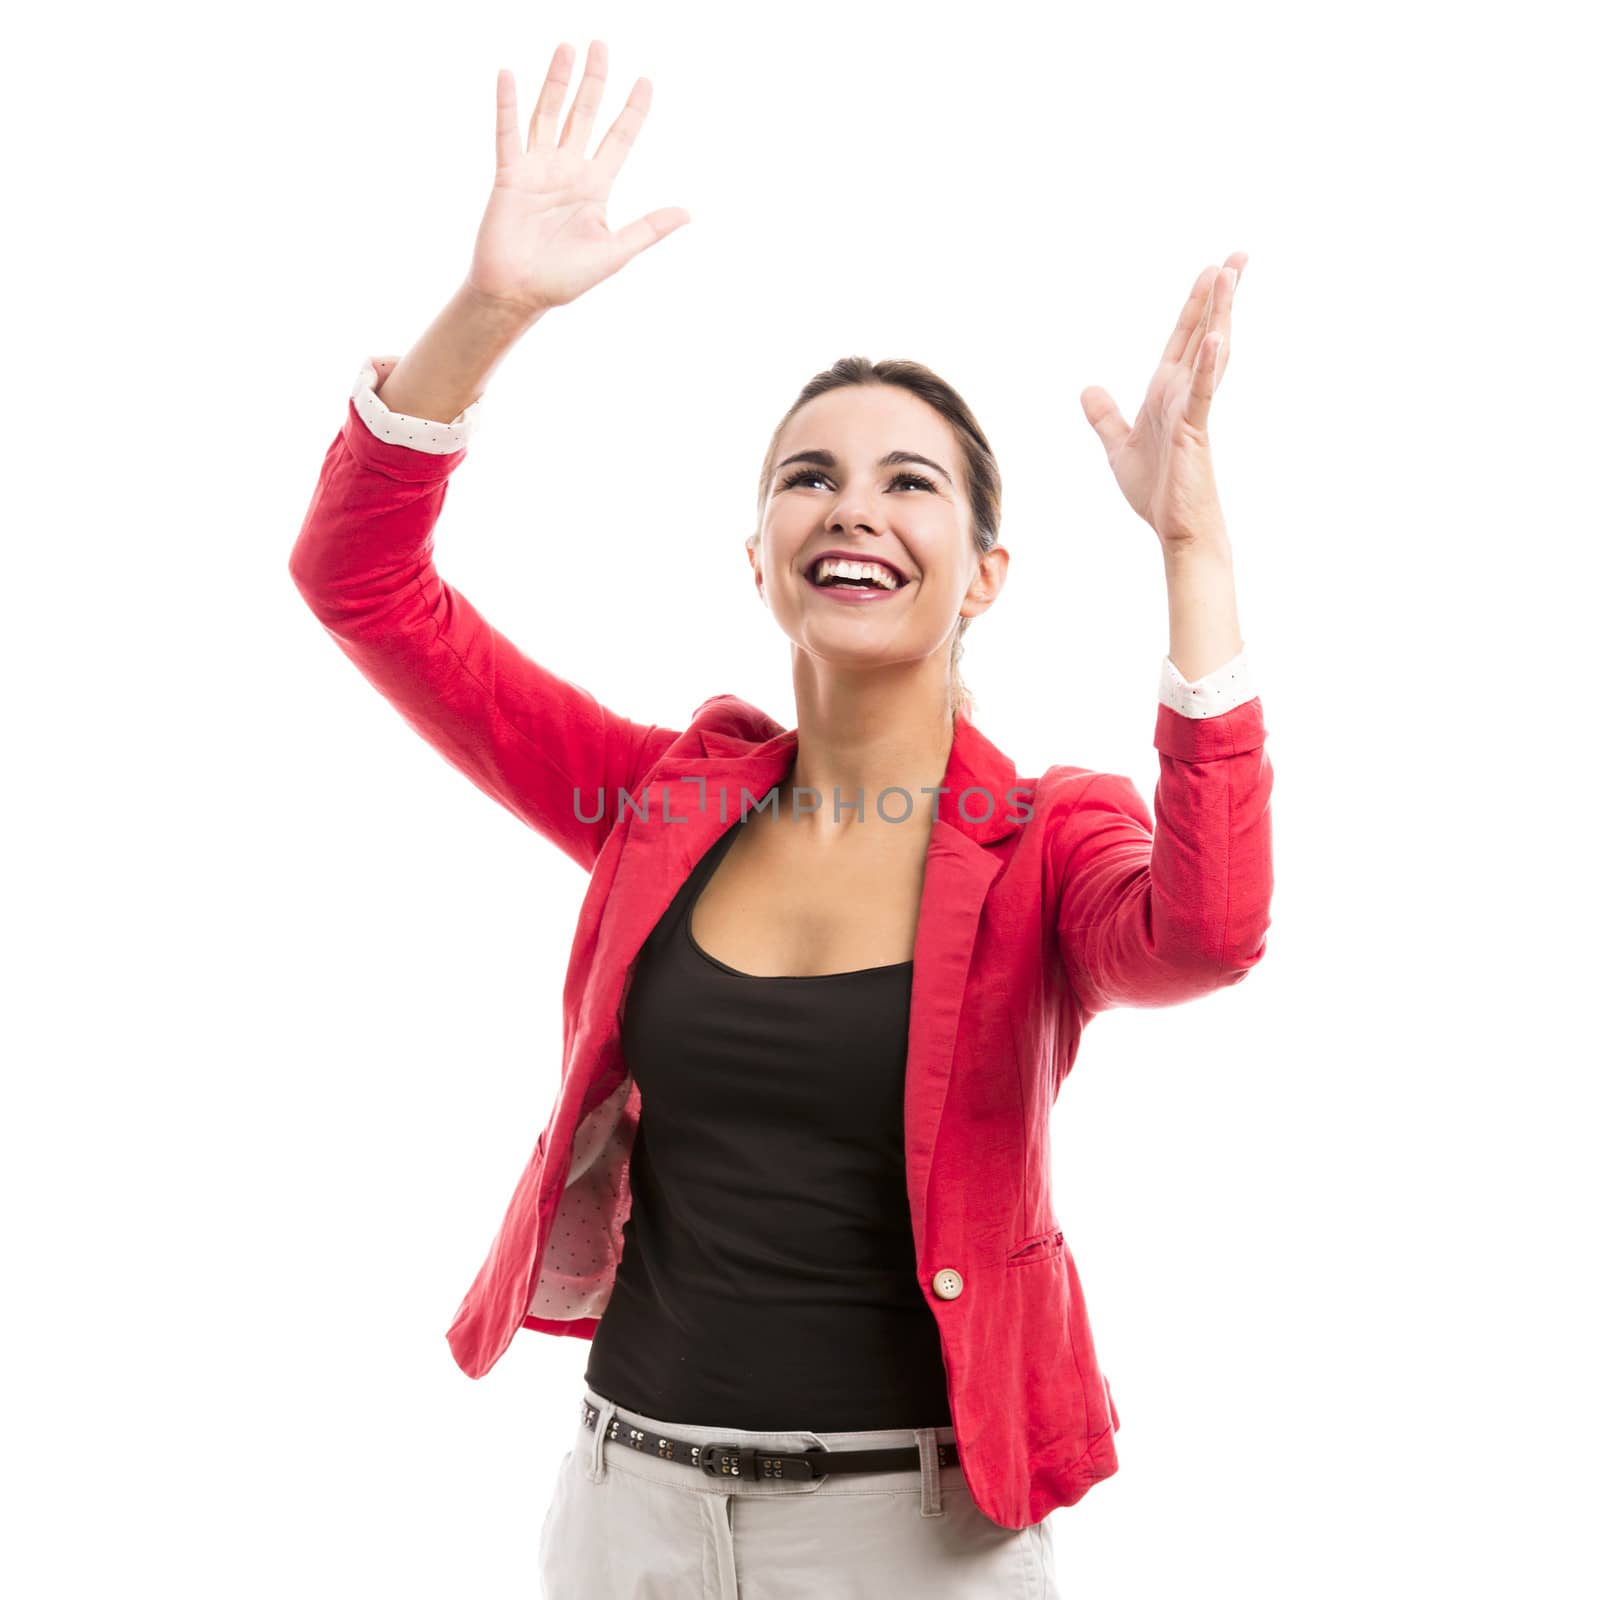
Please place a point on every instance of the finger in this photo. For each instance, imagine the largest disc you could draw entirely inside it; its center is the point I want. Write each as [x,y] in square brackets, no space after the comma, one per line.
[1193,310]
[1204,382]
[580,119]
[1222,319]
[1217,306]
[1104,418]
[507,146]
[649,229]
[1203,326]
[1219,302]
[614,148]
[542,128]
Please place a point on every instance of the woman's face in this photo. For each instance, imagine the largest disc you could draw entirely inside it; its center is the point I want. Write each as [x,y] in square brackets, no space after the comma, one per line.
[832,490]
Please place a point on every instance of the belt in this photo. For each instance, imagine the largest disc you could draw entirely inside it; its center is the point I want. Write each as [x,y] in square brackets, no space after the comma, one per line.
[743,1461]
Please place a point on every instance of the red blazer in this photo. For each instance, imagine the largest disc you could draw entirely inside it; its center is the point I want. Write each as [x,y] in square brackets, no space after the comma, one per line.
[1045,900]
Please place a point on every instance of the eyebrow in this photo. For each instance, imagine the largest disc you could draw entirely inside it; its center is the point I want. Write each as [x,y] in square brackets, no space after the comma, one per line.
[826,458]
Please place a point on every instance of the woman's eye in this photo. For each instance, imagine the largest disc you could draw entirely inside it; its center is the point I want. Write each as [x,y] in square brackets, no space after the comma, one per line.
[812,476]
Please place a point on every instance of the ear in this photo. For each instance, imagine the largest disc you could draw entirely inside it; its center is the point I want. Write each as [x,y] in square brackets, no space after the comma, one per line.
[987,582]
[751,549]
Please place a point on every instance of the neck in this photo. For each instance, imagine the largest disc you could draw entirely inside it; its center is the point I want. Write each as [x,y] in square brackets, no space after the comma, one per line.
[867,749]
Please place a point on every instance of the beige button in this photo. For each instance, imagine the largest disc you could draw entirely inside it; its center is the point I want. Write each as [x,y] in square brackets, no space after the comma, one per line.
[947,1283]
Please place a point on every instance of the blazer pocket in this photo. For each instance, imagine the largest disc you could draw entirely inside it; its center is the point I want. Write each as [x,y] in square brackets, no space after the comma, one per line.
[1041,1247]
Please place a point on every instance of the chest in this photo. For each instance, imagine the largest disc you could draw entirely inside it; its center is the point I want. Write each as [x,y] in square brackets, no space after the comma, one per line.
[779,905]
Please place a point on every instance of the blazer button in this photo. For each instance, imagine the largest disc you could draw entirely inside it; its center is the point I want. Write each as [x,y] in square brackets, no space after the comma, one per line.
[947,1283]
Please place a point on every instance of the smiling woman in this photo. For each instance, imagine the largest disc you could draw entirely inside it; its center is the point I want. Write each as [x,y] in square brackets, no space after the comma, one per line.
[795,1187]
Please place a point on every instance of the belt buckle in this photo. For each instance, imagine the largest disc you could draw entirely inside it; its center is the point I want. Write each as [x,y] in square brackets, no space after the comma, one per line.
[742,1461]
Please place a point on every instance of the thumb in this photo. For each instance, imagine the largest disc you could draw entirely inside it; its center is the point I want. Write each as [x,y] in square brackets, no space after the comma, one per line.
[647,230]
[1104,418]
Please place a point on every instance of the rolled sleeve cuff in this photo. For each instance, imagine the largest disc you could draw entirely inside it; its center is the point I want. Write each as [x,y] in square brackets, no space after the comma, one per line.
[410,433]
[1219,691]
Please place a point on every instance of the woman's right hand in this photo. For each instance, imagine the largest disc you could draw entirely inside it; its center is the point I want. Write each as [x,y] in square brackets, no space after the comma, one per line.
[543,239]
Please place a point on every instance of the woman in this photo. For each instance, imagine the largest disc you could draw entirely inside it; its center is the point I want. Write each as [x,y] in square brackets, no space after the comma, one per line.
[846,965]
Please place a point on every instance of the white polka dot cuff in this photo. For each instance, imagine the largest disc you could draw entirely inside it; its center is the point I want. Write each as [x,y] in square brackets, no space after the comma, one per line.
[1220,690]
[414,433]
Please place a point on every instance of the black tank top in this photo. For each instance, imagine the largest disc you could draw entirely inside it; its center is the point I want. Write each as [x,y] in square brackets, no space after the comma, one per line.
[768,1277]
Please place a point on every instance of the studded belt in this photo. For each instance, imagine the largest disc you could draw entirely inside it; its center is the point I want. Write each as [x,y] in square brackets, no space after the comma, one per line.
[743,1461]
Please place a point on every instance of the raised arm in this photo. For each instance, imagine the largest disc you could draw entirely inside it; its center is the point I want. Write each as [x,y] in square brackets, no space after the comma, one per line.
[1151,915]
[540,745]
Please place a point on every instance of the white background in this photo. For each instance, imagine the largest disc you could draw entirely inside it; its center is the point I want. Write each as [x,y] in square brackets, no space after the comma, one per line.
[282,1011]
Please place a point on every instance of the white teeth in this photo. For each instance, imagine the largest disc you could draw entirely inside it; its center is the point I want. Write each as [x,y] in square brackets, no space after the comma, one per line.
[875,571]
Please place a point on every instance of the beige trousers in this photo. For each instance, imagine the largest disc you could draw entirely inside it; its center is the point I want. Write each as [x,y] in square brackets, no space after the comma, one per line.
[627,1525]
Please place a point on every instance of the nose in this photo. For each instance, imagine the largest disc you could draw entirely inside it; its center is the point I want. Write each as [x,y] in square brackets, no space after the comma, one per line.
[852,516]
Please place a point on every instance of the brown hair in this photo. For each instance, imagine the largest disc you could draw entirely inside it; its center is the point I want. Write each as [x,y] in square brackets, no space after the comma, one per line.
[981,473]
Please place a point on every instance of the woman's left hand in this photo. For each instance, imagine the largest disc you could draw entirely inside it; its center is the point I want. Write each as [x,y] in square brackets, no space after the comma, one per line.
[1163,462]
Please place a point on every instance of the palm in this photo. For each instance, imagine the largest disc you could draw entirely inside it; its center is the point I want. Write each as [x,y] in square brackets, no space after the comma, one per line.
[545,225]
[1162,463]
[544,238]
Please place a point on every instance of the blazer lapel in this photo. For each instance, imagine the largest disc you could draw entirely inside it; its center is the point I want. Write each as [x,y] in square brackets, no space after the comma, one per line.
[955,884]
[689,803]
[961,867]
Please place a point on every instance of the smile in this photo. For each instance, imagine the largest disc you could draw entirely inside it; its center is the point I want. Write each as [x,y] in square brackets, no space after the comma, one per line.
[854,578]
